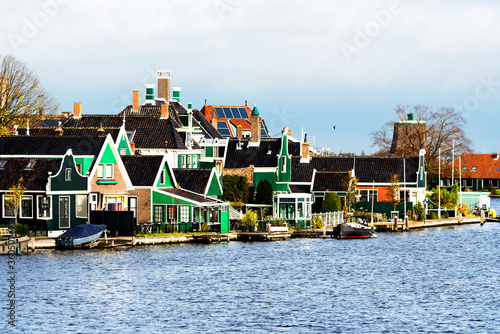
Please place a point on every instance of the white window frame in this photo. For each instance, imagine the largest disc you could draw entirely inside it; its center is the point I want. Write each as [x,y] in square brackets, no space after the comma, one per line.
[76,206]
[189,161]
[184,214]
[93,200]
[38,207]
[105,171]
[3,206]
[25,197]
[195,161]
[123,151]
[283,164]
[67,174]
[69,211]
[162,177]
[183,161]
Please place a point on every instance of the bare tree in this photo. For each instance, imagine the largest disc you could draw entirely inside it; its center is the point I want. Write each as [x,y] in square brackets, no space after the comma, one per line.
[431,129]
[21,94]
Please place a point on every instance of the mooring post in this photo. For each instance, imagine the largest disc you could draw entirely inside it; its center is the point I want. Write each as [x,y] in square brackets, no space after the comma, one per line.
[395,226]
[460,218]
[482,217]
[33,243]
[133,241]
[407,227]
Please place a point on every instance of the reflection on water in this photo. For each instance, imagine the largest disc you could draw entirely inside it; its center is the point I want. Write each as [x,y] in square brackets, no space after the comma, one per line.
[434,280]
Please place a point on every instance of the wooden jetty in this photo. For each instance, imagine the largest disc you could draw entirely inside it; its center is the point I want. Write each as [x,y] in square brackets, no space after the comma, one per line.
[264,235]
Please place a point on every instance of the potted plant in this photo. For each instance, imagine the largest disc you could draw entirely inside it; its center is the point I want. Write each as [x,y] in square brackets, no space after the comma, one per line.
[317,222]
[250,219]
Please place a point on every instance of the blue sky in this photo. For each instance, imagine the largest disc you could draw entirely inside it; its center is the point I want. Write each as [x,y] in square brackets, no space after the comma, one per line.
[306,64]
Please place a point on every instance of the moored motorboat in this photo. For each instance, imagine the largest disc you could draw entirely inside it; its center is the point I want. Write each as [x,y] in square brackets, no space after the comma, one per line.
[80,235]
[353,227]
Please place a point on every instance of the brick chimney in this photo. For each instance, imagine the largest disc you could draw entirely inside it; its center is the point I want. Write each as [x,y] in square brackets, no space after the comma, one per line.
[255,125]
[136,99]
[239,132]
[164,84]
[164,110]
[58,131]
[214,123]
[132,147]
[100,131]
[77,109]
[305,148]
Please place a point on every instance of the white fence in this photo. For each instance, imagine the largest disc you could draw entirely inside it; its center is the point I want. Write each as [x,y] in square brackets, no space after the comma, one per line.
[330,218]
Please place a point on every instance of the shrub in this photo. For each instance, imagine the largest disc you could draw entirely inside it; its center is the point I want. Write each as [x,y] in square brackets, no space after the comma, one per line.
[22,229]
[418,209]
[331,203]
[249,219]
[433,215]
[497,192]
[317,222]
[445,214]
[264,193]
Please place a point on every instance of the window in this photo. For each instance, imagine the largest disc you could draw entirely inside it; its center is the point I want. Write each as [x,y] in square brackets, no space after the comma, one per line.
[79,168]
[67,174]
[93,202]
[283,164]
[474,168]
[123,151]
[44,208]
[188,161]
[114,203]
[27,207]
[195,161]
[64,212]
[159,214]
[31,164]
[8,212]
[105,171]
[162,177]
[498,169]
[2,163]
[132,205]
[184,214]
[183,161]
[368,195]
[465,167]
[81,206]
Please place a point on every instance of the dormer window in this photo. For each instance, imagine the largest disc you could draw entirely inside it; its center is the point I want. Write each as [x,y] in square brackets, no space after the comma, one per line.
[465,167]
[67,174]
[2,164]
[30,165]
[474,168]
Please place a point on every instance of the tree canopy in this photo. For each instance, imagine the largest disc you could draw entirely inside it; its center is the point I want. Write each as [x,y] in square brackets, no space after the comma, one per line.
[331,203]
[21,94]
[236,189]
[439,129]
[264,193]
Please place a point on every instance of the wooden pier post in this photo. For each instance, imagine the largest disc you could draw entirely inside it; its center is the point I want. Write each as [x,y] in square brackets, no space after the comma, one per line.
[395,225]
[407,223]
[460,218]
[482,217]
[133,241]
[33,243]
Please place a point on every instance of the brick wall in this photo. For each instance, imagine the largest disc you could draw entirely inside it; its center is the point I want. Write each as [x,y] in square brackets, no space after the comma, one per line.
[143,204]
[248,172]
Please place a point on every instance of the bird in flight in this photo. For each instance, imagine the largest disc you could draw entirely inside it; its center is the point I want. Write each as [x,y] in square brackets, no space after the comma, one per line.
[334,127]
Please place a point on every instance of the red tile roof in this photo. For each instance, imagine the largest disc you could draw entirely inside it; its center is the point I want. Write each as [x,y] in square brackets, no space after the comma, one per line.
[487,166]
[245,124]
[209,111]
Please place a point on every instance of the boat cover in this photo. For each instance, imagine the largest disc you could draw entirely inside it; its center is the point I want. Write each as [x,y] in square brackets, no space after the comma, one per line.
[82,231]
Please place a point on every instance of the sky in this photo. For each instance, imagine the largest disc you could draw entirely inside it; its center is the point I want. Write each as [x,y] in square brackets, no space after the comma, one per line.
[309,65]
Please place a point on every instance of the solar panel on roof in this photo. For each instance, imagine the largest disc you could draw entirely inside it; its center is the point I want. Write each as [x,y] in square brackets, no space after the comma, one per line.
[263,133]
[243,113]
[220,113]
[228,113]
[223,129]
[236,113]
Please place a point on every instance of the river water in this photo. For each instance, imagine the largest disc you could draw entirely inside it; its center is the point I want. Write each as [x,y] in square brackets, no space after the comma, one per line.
[437,280]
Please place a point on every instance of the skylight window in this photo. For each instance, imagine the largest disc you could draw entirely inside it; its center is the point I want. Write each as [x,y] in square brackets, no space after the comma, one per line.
[31,164]
[498,169]
[474,168]
[2,163]
[465,167]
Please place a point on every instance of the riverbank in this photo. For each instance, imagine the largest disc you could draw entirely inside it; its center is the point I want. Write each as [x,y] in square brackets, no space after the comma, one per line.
[114,242]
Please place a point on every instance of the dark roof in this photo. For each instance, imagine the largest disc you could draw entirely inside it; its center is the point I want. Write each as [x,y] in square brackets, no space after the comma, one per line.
[367,169]
[142,169]
[194,180]
[33,179]
[191,196]
[39,146]
[206,127]
[78,132]
[150,131]
[265,155]
[174,109]
[330,181]
[300,189]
